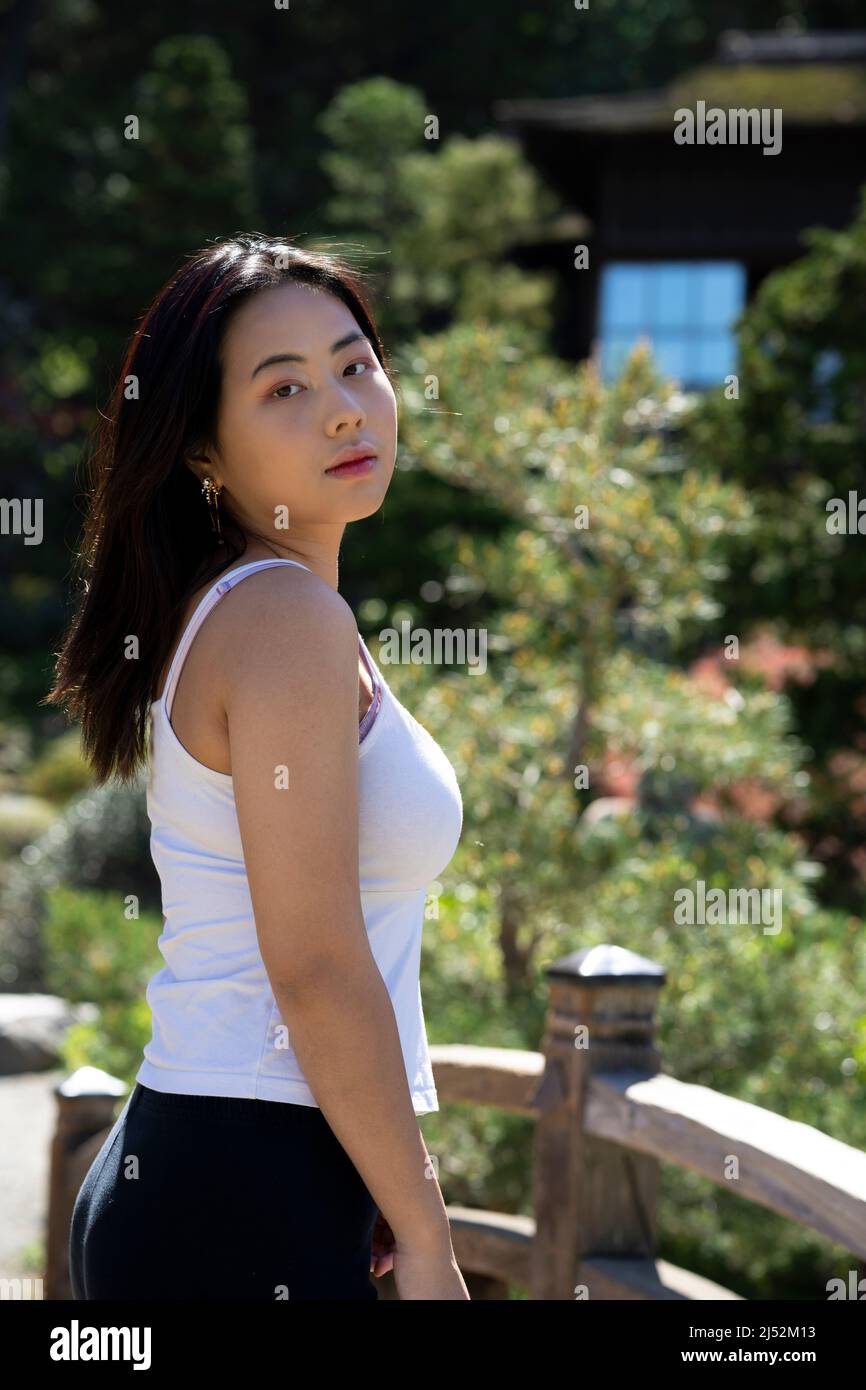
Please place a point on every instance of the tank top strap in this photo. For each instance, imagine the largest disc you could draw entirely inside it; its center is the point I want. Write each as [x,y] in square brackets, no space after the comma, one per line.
[213,595]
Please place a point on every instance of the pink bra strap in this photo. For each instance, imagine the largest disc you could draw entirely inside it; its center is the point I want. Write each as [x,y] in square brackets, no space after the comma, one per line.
[376,701]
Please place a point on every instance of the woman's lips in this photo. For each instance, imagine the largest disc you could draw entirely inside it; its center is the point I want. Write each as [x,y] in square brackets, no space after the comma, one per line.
[356,469]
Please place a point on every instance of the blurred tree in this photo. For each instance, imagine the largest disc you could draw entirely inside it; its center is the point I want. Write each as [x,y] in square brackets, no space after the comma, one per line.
[435,221]
[137,182]
[183,176]
[606,568]
[796,438]
[582,670]
[442,217]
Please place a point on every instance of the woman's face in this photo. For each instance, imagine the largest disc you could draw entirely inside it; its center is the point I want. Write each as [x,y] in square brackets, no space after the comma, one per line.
[282,423]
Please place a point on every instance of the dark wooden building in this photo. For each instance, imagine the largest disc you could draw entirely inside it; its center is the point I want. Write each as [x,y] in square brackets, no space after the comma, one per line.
[679,233]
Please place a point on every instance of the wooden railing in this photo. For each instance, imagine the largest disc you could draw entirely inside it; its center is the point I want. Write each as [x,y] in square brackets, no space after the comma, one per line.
[605,1117]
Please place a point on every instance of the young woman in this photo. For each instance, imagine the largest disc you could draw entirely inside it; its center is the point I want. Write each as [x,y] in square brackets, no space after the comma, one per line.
[270,1147]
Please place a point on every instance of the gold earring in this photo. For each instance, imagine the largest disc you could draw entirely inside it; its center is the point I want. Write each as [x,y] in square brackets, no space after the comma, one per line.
[211,492]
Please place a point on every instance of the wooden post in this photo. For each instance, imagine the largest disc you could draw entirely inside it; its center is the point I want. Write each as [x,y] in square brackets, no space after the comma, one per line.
[591,1197]
[86,1104]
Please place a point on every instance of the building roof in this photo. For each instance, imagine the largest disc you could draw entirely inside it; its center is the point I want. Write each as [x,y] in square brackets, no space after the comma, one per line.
[836,46]
[816,79]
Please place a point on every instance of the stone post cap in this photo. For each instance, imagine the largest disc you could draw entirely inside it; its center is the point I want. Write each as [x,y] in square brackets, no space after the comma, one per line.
[91,1081]
[599,966]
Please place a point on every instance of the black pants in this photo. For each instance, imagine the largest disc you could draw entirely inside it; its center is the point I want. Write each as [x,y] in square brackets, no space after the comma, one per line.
[217,1198]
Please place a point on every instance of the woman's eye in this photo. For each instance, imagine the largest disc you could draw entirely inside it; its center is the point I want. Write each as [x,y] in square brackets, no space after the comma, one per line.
[361,362]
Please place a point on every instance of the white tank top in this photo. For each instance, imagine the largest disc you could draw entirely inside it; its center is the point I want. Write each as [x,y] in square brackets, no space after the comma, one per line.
[216,1027]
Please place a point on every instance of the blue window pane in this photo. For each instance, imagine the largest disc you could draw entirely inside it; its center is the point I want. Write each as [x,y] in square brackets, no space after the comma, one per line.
[622,297]
[672,357]
[673,291]
[722,295]
[714,359]
[686,308]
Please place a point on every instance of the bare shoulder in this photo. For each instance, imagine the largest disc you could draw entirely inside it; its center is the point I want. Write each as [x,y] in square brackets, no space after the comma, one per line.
[286,624]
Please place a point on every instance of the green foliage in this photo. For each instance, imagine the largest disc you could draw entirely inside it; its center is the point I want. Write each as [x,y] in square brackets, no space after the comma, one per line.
[471,203]
[142,194]
[101,841]
[99,951]
[22,819]
[776,1021]
[796,438]
[130,202]
[61,771]
[582,652]
[441,217]
[371,125]
[656,716]
[99,948]
[585,664]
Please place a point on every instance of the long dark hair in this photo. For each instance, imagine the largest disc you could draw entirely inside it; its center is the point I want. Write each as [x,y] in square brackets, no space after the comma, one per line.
[148,541]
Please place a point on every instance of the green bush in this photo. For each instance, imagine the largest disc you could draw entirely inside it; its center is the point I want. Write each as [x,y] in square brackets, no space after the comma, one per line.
[101,841]
[590,666]
[61,771]
[22,819]
[777,1021]
[97,951]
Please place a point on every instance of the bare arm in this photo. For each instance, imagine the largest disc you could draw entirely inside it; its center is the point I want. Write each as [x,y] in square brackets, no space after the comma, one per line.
[291,700]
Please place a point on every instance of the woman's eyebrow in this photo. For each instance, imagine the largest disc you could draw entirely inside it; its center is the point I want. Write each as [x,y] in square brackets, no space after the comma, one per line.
[296,356]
